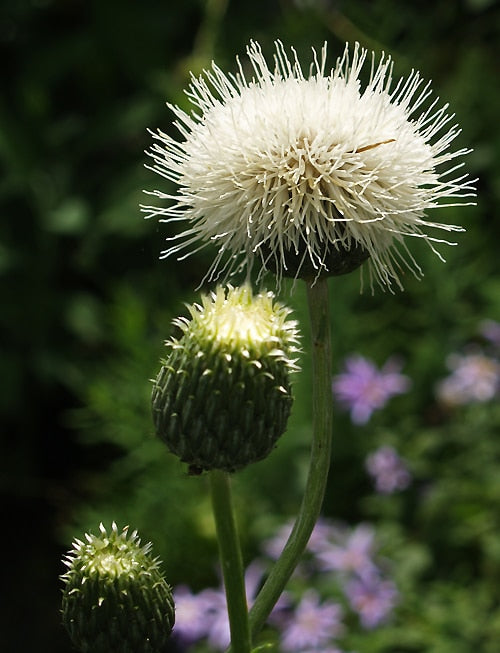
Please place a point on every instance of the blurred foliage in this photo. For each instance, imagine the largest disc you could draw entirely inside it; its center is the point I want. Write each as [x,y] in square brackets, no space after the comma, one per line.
[86,305]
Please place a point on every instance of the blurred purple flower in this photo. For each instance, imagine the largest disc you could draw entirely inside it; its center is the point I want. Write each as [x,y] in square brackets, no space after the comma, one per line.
[204,615]
[275,544]
[321,537]
[363,388]
[193,614]
[388,470]
[217,634]
[373,598]
[474,378]
[319,540]
[490,330]
[313,624]
[352,553]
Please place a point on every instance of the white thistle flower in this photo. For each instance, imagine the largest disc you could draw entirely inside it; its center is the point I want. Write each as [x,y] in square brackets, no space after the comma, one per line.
[308,174]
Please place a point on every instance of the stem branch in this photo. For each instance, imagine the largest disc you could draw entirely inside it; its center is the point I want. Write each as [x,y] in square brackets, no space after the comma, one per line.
[317,295]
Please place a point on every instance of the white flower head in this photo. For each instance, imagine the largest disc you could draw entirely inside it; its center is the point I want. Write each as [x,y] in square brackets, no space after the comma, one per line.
[308,174]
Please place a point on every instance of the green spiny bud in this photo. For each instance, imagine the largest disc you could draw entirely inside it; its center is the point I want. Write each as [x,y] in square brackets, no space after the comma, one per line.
[115,597]
[222,397]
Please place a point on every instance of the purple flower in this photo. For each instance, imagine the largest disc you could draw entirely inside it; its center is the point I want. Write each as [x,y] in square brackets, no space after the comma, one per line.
[363,388]
[313,624]
[490,330]
[352,553]
[319,540]
[323,533]
[275,545]
[388,470]
[474,378]
[204,615]
[217,632]
[373,598]
[193,614]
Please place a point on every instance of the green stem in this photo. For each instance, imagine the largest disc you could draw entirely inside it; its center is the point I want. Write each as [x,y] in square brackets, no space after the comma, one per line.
[317,295]
[231,561]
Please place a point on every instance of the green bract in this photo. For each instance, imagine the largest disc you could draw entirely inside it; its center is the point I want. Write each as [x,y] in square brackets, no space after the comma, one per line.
[223,396]
[115,597]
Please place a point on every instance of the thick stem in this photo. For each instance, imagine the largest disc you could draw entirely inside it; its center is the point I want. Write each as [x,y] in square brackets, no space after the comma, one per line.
[317,295]
[231,561]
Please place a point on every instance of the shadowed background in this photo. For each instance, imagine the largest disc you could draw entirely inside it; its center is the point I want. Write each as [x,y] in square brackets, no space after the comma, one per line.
[86,304]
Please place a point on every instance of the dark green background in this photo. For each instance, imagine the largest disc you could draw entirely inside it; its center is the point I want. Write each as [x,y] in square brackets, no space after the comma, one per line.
[85,305]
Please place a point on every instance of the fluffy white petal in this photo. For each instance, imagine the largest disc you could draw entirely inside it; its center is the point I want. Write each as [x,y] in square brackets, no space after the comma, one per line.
[274,163]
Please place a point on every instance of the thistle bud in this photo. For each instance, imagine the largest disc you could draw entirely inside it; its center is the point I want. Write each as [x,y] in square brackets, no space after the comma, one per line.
[115,597]
[223,396]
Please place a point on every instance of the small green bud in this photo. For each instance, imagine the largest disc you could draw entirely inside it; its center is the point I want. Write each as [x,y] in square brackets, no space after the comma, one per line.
[115,598]
[222,397]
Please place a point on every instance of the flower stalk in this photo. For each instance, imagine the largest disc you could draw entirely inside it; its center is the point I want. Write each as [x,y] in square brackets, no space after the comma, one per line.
[317,295]
[231,561]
